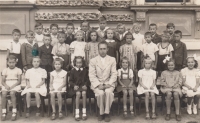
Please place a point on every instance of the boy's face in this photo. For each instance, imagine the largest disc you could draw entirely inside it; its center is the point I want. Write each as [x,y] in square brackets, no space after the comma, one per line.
[16,36]
[129,39]
[30,38]
[121,29]
[61,38]
[148,38]
[70,29]
[79,63]
[11,63]
[177,37]
[136,29]
[47,40]
[36,62]
[110,34]
[125,64]
[39,30]
[54,30]
[171,66]
[147,64]
[152,29]
[165,37]
[171,29]
[79,36]
[57,65]
[190,63]
[84,26]
[102,25]
[93,36]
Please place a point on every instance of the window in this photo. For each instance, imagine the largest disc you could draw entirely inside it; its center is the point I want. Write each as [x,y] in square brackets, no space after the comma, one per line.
[167,1]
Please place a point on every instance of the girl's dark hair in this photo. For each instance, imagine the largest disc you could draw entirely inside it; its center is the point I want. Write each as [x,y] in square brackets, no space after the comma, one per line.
[79,57]
[196,63]
[58,59]
[128,33]
[124,58]
[70,24]
[53,25]
[11,57]
[93,31]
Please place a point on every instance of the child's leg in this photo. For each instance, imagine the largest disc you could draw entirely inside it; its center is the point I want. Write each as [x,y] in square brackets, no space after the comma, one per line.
[84,98]
[53,101]
[28,99]
[168,101]
[177,102]
[147,101]
[125,99]
[38,101]
[131,99]
[196,99]
[78,95]
[4,95]
[189,105]
[59,96]
[153,99]
[189,100]
[13,98]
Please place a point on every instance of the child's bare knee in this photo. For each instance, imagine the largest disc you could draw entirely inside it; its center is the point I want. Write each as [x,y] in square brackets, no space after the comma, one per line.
[176,95]
[147,94]
[125,92]
[78,93]
[4,94]
[83,93]
[59,94]
[52,95]
[130,92]
[12,93]
[152,95]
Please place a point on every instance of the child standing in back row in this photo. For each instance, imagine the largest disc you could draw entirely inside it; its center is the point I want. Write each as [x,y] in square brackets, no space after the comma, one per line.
[155,37]
[102,28]
[70,36]
[54,33]
[39,34]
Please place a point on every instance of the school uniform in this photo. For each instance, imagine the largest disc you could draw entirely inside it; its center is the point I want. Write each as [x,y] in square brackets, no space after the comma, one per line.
[27,52]
[101,34]
[69,39]
[179,54]
[46,57]
[156,38]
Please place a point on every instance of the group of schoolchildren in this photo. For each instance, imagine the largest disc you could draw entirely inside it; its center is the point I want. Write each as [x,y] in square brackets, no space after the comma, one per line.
[141,60]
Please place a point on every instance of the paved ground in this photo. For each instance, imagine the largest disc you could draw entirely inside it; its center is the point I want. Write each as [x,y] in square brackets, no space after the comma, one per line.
[114,118]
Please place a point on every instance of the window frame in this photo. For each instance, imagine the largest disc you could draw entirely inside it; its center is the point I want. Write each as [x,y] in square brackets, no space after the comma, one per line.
[167,3]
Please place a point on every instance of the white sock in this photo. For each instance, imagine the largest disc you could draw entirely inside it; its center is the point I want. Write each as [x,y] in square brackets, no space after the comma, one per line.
[77,113]
[84,111]
[14,110]
[3,110]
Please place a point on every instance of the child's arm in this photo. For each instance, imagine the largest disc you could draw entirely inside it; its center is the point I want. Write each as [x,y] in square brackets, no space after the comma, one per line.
[186,85]
[142,59]
[117,57]
[18,82]
[156,59]
[170,55]
[4,82]
[141,83]
[131,84]
[197,85]
[153,84]
[41,83]
[8,52]
[184,55]
[64,84]
[120,82]
[51,83]
[163,82]
[28,83]
[23,54]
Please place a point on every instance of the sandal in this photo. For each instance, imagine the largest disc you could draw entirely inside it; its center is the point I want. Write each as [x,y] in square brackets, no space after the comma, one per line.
[3,117]
[132,112]
[147,116]
[53,116]
[77,118]
[84,117]
[125,114]
[14,116]
[60,115]
[153,115]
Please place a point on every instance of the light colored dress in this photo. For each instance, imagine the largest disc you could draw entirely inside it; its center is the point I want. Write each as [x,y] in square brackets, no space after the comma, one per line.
[58,79]
[190,76]
[54,39]
[92,49]
[35,76]
[78,48]
[138,40]
[12,78]
[129,51]
[171,78]
[148,76]
[149,49]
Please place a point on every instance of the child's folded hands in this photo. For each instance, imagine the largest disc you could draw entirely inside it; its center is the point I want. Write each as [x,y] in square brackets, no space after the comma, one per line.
[76,87]
[84,87]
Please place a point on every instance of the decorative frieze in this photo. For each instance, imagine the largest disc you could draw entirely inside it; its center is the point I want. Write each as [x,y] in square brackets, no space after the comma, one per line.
[117,3]
[116,17]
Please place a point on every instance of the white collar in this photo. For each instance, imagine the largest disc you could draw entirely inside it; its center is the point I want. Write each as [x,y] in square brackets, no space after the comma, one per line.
[30,43]
[125,70]
[15,42]
[109,41]
[78,68]
[54,35]
[136,34]
[149,43]
[102,30]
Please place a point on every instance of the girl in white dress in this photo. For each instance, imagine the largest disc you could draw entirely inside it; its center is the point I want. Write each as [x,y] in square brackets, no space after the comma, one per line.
[57,85]
[147,86]
[11,79]
[35,83]
[77,48]
[191,86]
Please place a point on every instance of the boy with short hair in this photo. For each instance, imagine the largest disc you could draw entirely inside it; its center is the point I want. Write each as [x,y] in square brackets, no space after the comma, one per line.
[69,35]
[171,29]
[54,32]
[28,50]
[39,34]
[102,28]
[155,37]
[85,27]
[180,51]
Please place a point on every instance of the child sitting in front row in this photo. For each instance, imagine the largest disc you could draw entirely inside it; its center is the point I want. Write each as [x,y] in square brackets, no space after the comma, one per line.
[147,85]
[11,79]
[35,79]
[126,85]
[79,81]
[171,82]
[57,85]
[191,84]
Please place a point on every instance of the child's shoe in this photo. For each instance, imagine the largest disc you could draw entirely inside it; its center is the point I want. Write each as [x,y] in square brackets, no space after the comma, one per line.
[38,111]
[167,117]
[189,110]
[3,116]
[131,111]
[178,117]
[194,109]
[14,114]
[60,115]
[125,114]
[53,116]
[147,116]
[153,115]
[27,112]
[84,117]
[77,117]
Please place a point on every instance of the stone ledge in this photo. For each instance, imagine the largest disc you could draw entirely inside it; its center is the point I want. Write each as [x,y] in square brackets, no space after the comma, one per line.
[165,7]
